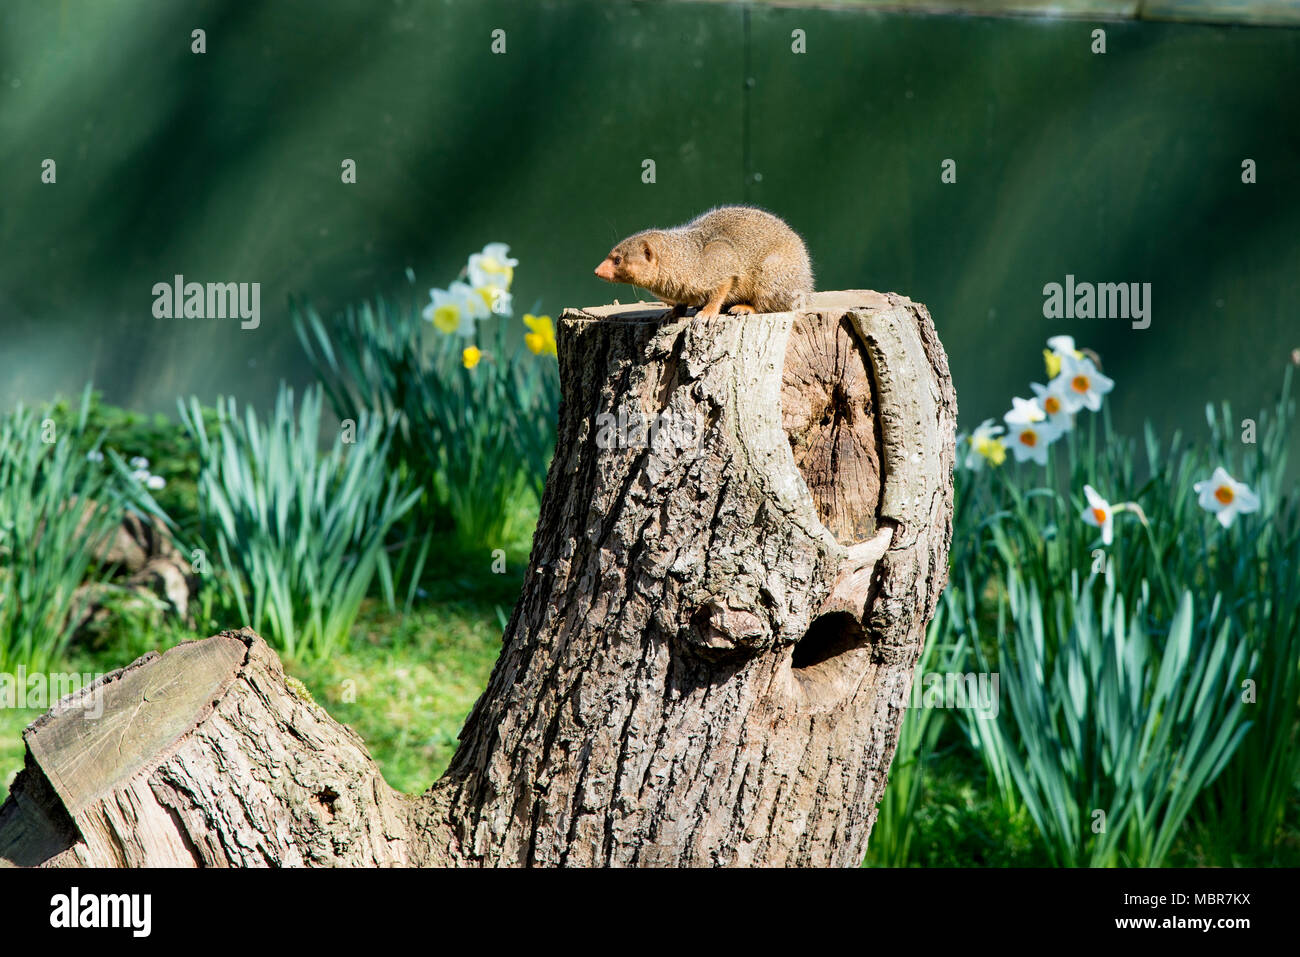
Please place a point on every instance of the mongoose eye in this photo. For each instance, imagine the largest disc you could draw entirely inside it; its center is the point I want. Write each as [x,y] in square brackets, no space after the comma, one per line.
[617,260]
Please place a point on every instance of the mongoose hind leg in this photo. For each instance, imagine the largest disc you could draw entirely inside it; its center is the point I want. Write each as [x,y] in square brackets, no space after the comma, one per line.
[741,309]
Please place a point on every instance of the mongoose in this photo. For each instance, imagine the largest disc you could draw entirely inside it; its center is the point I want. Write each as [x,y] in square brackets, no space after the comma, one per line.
[736,258]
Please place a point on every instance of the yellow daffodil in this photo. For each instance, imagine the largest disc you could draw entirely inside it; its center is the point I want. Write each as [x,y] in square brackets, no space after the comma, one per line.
[471,356]
[1057,348]
[542,337]
[983,445]
[496,299]
[455,309]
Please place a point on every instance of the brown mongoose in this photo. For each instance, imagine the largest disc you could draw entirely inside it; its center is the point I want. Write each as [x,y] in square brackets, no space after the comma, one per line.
[736,258]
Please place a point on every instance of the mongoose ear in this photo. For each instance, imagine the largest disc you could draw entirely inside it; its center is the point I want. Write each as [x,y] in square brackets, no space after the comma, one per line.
[649,252]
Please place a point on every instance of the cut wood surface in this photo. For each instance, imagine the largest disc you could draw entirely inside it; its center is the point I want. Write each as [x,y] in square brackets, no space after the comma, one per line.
[744,533]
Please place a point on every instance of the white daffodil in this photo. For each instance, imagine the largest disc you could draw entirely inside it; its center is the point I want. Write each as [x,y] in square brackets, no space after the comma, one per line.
[496,299]
[455,309]
[1024,412]
[492,268]
[983,445]
[1052,399]
[1099,514]
[95,455]
[1029,440]
[1057,348]
[155,482]
[139,462]
[1064,345]
[1223,496]
[140,475]
[1081,385]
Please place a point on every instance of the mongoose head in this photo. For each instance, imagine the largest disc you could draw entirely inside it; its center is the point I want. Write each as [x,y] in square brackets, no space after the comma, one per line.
[635,260]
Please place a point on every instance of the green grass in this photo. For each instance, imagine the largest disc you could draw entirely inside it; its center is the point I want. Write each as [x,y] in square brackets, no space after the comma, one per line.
[404,682]
[406,686]
[959,822]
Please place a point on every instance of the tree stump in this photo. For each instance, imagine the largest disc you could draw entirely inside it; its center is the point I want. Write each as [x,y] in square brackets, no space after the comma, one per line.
[743,536]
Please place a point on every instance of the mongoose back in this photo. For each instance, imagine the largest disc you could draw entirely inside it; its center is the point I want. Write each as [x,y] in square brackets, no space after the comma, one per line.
[734,258]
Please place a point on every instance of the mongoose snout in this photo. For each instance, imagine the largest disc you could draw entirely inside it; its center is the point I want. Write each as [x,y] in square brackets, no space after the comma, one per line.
[737,258]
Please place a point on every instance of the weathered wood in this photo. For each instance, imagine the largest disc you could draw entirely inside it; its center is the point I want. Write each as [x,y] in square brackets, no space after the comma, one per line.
[744,533]
[203,756]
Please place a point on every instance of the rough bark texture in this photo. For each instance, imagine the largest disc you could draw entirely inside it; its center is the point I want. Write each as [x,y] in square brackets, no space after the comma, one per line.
[203,756]
[744,533]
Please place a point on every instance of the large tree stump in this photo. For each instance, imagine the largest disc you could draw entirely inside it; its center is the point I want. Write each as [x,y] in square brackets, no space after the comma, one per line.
[744,533]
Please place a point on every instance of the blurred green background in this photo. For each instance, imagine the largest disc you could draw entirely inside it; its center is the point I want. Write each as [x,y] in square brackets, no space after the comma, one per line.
[1122,167]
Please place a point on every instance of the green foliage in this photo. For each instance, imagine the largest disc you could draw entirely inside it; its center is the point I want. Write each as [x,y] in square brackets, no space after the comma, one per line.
[475,437]
[49,531]
[896,822]
[299,533]
[1103,715]
[1257,566]
[960,822]
[1019,549]
[170,451]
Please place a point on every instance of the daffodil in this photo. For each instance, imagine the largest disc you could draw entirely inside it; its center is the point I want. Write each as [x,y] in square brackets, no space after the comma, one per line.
[1099,514]
[1223,496]
[542,337]
[1051,398]
[1029,440]
[470,356]
[1081,385]
[455,309]
[1057,348]
[492,268]
[983,445]
[496,299]
[1024,412]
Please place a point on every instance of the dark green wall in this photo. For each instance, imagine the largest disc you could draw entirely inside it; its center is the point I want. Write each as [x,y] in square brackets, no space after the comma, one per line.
[1122,167]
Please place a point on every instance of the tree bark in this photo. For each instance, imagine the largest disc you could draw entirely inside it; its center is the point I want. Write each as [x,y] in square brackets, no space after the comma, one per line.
[744,534]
